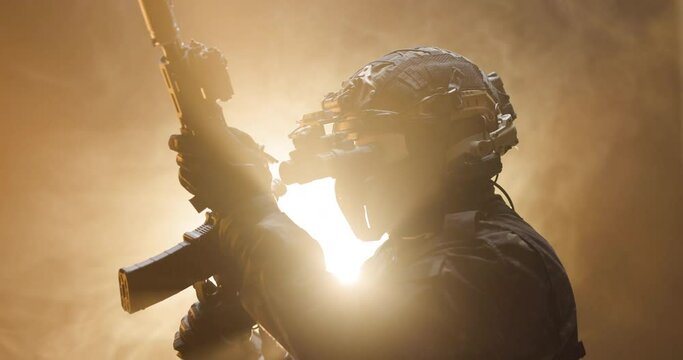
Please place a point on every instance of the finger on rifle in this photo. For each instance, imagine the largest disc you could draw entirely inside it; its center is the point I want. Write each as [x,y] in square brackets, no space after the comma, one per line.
[178,343]
[199,321]
[183,143]
[189,162]
[187,333]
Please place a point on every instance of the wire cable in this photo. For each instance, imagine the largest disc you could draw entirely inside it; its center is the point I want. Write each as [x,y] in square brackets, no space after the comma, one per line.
[507,196]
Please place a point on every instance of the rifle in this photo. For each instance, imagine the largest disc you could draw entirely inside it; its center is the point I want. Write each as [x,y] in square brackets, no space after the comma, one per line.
[196,77]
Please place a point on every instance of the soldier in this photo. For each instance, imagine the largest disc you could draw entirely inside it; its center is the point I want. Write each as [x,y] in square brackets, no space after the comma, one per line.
[417,139]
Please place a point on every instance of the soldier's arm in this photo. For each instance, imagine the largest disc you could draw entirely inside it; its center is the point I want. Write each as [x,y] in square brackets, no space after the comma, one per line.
[287,290]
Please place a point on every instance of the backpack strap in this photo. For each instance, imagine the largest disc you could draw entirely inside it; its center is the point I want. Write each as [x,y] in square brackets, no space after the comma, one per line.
[461,226]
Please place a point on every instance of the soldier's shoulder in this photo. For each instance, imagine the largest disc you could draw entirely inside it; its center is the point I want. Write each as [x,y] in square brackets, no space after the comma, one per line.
[470,244]
[476,243]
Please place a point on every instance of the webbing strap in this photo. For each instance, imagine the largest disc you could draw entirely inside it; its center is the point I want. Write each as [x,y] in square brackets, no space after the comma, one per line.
[461,225]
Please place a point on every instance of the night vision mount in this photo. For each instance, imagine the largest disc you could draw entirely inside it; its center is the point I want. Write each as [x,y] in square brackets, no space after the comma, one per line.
[325,144]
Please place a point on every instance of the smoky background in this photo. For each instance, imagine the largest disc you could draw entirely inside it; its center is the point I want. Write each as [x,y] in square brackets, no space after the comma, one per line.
[88,184]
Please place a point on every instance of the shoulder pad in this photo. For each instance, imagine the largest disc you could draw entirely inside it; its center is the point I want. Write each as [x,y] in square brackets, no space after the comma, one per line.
[461,226]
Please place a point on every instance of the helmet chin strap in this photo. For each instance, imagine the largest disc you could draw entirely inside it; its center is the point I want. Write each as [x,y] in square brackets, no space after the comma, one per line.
[350,198]
[373,207]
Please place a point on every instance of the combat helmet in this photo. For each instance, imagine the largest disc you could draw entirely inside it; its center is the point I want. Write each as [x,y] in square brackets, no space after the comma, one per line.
[429,98]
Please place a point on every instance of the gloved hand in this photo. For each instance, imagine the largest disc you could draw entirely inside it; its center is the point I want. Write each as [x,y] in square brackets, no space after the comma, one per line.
[215,327]
[220,180]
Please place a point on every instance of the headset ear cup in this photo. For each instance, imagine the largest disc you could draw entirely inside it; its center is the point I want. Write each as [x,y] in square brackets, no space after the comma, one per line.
[498,89]
[460,172]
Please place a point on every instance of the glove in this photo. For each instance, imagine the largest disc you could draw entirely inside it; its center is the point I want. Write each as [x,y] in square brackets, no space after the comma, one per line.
[218,179]
[215,327]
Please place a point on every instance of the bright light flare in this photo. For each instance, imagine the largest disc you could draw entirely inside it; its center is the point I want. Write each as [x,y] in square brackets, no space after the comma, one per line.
[313,207]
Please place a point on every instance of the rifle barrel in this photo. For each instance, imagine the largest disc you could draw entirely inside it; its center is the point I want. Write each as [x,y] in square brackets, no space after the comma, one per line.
[161,23]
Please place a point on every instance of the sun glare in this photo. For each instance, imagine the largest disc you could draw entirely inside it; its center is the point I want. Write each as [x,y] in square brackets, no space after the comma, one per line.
[314,208]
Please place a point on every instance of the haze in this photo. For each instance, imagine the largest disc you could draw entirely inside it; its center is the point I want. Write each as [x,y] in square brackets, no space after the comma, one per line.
[88,184]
